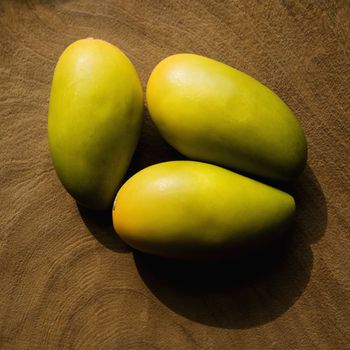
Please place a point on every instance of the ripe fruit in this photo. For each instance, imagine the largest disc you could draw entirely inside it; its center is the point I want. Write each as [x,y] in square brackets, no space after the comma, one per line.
[194,210]
[214,113]
[95,115]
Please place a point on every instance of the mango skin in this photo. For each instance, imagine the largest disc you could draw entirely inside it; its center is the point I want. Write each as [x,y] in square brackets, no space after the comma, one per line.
[95,116]
[197,211]
[212,112]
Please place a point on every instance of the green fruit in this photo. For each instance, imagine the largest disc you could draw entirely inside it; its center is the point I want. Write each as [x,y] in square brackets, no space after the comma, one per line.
[214,113]
[95,116]
[193,210]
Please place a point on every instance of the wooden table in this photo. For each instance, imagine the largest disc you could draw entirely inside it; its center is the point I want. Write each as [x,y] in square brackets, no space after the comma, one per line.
[68,282]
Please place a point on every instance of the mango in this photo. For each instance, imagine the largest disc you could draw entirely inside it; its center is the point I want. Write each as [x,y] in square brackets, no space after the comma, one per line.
[214,113]
[194,211]
[94,121]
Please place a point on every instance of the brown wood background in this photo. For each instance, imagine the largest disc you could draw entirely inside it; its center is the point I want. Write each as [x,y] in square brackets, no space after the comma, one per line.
[67,282]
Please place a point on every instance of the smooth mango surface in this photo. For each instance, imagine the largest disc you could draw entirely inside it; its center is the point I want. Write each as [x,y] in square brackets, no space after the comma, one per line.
[212,112]
[194,210]
[94,120]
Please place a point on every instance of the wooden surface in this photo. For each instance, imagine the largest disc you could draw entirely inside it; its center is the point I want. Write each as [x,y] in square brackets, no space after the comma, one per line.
[67,282]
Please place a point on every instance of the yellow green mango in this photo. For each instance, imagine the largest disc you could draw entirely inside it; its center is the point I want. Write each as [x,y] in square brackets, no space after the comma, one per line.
[194,210]
[212,112]
[94,121]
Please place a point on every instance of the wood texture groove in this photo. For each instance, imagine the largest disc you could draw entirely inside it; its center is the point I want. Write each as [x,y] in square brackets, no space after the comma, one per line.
[68,282]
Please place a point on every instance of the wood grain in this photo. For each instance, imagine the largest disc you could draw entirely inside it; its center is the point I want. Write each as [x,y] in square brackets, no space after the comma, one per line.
[67,282]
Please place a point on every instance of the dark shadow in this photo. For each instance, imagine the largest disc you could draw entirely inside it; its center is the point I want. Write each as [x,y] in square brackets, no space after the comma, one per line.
[152,148]
[240,293]
[311,212]
[100,225]
[251,290]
